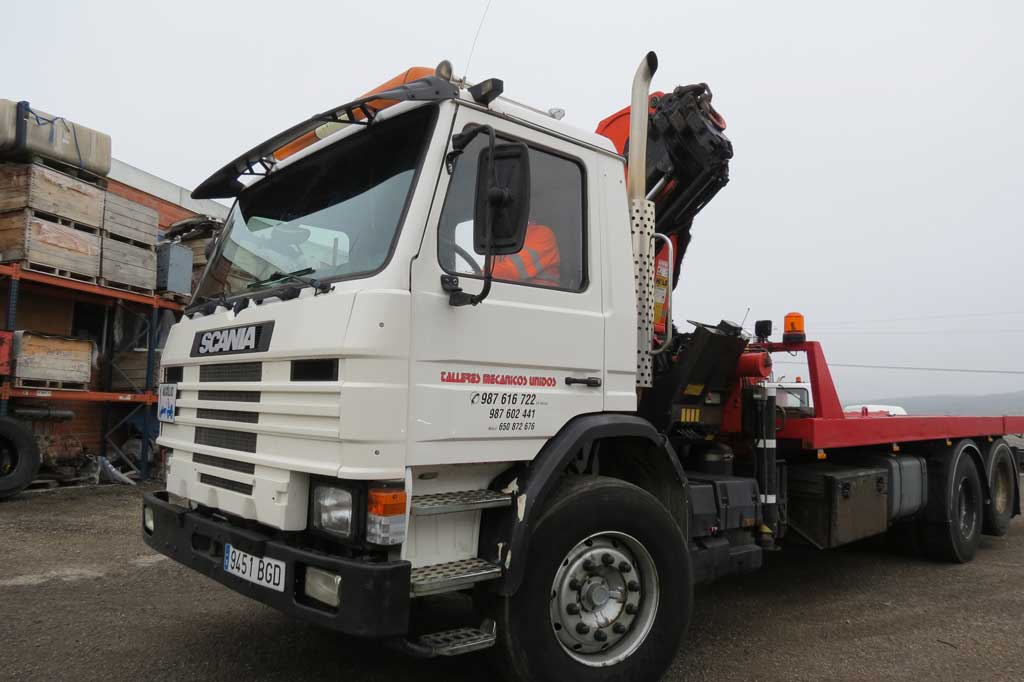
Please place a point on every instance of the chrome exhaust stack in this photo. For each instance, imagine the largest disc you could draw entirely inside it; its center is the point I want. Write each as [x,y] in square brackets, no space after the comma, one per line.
[641,218]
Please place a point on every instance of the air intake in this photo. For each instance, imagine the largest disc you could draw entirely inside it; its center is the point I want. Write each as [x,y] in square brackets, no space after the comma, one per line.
[229,440]
[237,371]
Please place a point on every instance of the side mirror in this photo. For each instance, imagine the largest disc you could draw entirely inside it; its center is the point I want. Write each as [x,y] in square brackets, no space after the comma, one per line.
[502,208]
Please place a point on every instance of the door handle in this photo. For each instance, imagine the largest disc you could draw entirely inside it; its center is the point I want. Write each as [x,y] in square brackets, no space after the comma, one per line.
[592,382]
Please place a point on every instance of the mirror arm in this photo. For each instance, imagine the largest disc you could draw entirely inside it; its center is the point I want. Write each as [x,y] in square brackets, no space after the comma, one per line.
[459,142]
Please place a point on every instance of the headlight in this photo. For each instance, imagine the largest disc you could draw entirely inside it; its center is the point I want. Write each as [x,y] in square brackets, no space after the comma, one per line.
[332,511]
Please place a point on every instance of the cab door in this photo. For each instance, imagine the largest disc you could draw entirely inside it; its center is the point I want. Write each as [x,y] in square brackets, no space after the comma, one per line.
[493,382]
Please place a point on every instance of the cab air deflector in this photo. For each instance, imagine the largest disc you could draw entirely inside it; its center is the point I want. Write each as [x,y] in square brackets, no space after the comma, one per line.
[258,161]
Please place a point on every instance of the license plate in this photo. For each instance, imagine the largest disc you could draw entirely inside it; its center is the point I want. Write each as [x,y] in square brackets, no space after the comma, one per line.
[263,571]
[167,396]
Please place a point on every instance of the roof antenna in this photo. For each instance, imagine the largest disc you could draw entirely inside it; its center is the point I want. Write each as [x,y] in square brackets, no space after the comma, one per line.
[472,49]
[745,316]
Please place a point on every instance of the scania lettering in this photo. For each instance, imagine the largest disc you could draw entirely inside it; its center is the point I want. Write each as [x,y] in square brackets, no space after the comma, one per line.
[397,418]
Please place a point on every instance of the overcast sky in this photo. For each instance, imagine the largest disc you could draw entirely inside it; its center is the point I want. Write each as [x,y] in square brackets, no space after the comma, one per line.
[878,144]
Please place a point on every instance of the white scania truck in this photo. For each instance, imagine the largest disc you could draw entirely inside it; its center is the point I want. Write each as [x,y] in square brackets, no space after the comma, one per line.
[357,412]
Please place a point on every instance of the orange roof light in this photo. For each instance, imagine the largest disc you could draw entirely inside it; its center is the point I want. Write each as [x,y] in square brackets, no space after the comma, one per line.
[415,73]
[793,328]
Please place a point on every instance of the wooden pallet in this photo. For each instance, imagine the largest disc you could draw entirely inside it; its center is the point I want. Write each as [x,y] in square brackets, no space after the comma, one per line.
[41,188]
[113,284]
[50,384]
[135,223]
[58,272]
[72,170]
[181,299]
[50,244]
[131,241]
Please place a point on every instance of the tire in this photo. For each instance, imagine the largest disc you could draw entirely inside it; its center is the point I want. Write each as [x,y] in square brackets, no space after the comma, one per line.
[645,606]
[19,456]
[951,530]
[1002,487]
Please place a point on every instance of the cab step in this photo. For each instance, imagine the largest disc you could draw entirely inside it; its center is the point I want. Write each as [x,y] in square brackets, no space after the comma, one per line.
[459,501]
[451,576]
[460,640]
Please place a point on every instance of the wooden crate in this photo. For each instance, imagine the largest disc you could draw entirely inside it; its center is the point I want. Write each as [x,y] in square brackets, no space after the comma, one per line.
[131,220]
[70,250]
[129,371]
[51,361]
[126,265]
[31,185]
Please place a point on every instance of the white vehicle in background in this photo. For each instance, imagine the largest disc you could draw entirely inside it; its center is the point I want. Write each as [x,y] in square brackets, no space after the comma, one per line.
[867,408]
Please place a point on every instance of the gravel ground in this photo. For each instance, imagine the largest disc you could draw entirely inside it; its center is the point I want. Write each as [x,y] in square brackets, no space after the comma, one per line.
[82,598]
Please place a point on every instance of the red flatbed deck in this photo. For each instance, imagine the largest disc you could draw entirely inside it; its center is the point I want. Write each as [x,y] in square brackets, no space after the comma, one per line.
[832,428]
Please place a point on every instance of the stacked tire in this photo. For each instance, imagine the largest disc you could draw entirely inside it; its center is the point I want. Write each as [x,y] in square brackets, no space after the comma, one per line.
[19,456]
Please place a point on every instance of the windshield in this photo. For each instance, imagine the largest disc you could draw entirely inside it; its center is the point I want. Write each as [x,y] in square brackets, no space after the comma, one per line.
[332,215]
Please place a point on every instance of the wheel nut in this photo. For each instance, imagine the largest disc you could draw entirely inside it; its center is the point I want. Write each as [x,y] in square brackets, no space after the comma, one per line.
[607,559]
[600,636]
[624,567]
[631,609]
[619,628]
[582,628]
[575,584]
[573,609]
[633,586]
[588,565]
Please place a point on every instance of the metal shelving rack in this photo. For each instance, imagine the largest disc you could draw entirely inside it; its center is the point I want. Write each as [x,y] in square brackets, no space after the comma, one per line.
[96,294]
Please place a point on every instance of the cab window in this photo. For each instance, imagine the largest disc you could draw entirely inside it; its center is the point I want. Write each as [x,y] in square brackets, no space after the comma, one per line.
[553,255]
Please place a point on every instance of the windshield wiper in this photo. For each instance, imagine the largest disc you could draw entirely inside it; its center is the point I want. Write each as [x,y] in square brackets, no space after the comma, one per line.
[297,276]
[207,304]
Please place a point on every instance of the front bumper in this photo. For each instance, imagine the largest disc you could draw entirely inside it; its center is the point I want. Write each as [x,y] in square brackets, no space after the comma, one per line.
[374,596]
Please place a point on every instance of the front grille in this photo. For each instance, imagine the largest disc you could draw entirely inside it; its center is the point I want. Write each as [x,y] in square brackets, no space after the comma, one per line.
[236,371]
[222,438]
[226,483]
[174,375]
[229,416]
[231,396]
[222,463]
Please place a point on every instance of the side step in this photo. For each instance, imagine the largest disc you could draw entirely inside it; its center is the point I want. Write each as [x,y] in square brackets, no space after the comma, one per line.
[464,500]
[460,640]
[452,576]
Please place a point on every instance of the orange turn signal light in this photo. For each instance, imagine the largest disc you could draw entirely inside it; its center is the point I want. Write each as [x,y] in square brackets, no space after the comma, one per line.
[386,502]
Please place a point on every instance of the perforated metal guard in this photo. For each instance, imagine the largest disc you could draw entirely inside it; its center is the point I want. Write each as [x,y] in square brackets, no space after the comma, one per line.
[464,500]
[451,576]
[641,221]
[458,641]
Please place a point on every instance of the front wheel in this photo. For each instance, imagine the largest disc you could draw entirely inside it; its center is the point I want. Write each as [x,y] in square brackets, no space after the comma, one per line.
[607,593]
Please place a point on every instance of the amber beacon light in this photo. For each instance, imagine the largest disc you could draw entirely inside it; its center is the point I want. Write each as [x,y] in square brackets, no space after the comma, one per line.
[793,329]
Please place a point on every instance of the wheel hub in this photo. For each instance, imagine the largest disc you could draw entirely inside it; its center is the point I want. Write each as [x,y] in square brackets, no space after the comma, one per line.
[604,598]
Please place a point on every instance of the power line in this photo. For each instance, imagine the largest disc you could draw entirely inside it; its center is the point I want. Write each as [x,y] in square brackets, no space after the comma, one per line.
[919,331]
[912,369]
[943,316]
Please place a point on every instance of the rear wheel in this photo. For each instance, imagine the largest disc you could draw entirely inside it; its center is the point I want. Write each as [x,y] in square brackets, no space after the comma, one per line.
[19,456]
[608,592]
[1002,488]
[952,528]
